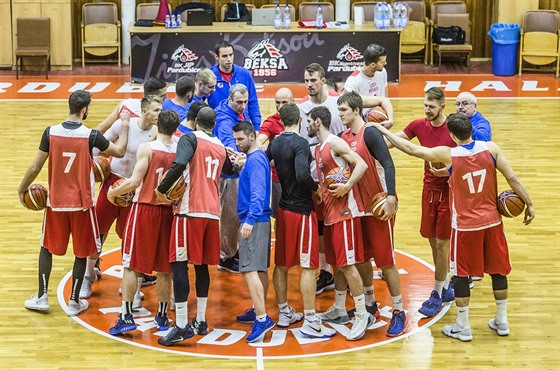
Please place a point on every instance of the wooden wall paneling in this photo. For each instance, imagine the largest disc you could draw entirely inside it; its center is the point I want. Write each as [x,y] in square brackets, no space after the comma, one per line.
[21,9]
[6,59]
[511,11]
[549,4]
[60,13]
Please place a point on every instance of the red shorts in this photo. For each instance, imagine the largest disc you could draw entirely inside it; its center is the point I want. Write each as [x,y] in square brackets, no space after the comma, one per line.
[378,240]
[343,243]
[436,215]
[107,212]
[318,207]
[57,227]
[146,238]
[297,240]
[474,253]
[195,239]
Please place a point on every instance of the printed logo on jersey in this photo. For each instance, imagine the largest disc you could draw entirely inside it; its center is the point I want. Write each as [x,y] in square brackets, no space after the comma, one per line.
[229,297]
[182,61]
[348,59]
[265,60]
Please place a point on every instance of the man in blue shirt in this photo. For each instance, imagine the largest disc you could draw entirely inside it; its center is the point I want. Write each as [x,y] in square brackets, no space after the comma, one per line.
[184,90]
[229,74]
[254,217]
[466,104]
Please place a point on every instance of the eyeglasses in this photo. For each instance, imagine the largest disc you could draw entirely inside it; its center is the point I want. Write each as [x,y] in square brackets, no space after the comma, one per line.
[463,103]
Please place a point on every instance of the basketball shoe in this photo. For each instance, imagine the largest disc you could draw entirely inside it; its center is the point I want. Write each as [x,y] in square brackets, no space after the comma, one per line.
[200,328]
[37,303]
[285,319]
[124,323]
[259,329]
[455,331]
[501,328]
[448,295]
[315,329]
[176,335]
[75,308]
[86,289]
[229,265]
[431,306]
[397,324]
[148,280]
[248,317]
[335,315]
[162,322]
[137,302]
[325,282]
[373,309]
[360,325]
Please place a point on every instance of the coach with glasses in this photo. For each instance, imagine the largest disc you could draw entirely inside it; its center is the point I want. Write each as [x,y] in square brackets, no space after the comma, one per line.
[466,104]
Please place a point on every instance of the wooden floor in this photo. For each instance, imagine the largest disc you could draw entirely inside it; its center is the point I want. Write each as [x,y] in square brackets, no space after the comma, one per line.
[527,129]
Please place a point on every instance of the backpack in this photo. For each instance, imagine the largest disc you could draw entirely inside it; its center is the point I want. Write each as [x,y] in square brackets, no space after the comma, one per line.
[195,5]
[237,12]
[448,35]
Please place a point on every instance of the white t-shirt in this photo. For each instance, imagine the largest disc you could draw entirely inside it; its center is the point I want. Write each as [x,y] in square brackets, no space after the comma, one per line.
[367,86]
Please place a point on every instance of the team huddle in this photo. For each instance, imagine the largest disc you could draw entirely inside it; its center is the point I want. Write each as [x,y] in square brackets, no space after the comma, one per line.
[323,172]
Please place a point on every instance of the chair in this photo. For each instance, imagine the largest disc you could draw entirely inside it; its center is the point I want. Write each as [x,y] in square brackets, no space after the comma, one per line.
[461,20]
[369,9]
[442,7]
[33,40]
[149,10]
[414,38]
[250,8]
[540,39]
[308,10]
[101,30]
[292,10]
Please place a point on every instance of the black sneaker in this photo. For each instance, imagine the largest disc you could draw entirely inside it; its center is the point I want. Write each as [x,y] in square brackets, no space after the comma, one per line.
[325,282]
[200,328]
[148,280]
[176,335]
[229,265]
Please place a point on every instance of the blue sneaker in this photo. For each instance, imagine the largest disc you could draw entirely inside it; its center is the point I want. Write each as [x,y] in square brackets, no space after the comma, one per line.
[259,329]
[123,325]
[432,305]
[448,295]
[397,324]
[162,322]
[248,317]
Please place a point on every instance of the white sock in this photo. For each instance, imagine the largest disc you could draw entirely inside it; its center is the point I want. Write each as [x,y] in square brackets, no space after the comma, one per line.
[369,294]
[181,314]
[439,287]
[138,285]
[323,265]
[284,307]
[262,317]
[360,303]
[310,315]
[340,299]
[446,283]
[89,268]
[501,313]
[201,308]
[123,308]
[463,316]
[397,302]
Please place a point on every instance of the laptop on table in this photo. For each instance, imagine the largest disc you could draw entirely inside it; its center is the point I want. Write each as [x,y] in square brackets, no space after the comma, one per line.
[200,17]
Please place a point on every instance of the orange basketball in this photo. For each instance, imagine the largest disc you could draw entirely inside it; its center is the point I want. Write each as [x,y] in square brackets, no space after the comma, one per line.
[510,204]
[377,202]
[35,197]
[123,200]
[101,168]
[337,175]
[376,114]
[177,190]
[436,165]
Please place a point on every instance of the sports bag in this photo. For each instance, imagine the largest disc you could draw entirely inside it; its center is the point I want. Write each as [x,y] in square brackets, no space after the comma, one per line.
[448,35]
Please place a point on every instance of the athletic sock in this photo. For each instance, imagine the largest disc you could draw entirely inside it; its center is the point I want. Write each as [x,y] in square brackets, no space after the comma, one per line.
[162,308]
[126,308]
[340,299]
[262,317]
[284,307]
[201,303]
[310,315]
[501,313]
[369,294]
[397,302]
[439,287]
[360,303]
[463,316]
[181,314]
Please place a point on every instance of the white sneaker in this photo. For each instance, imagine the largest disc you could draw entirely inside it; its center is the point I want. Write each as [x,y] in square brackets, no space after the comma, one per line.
[141,294]
[360,325]
[36,303]
[137,302]
[335,315]
[85,290]
[501,328]
[285,319]
[315,329]
[455,331]
[75,308]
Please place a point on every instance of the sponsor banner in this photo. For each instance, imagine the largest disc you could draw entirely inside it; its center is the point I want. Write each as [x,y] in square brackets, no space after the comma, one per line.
[271,57]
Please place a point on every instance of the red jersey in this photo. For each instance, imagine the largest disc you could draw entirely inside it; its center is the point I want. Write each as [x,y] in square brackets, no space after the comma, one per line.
[373,180]
[335,209]
[163,156]
[71,180]
[430,137]
[474,188]
[132,106]
[202,176]
[272,127]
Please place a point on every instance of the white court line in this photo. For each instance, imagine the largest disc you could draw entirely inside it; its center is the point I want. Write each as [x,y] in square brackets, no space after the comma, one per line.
[260,359]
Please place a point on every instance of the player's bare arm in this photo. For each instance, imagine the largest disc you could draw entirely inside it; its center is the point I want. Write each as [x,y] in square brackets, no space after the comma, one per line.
[118,148]
[108,122]
[143,158]
[341,149]
[383,102]
[261,140]
[32,172]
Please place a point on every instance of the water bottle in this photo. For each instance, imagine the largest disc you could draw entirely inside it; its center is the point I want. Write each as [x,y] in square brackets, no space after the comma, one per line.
[173,21]
[397,17]
[277,18]
[386,17]
[319,18]
[287,17]
[178,20]
[167,21]
[377,17]
[404,15]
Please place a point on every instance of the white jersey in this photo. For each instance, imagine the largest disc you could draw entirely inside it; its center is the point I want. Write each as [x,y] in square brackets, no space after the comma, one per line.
[367,86]
[131,105]
[136,136]
[307,105]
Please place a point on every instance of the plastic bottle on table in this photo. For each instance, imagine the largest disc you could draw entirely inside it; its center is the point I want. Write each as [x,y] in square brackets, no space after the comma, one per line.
[173,21]
[319,18]
[397,17]
[404,15]
[377,17]
[167,21]
[178,20]
[386,16]
[287,17]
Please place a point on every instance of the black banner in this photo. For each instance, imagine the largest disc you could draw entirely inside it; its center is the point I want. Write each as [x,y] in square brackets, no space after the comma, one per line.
[271,57]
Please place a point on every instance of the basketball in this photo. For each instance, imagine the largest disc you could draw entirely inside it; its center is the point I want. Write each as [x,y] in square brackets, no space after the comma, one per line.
[436,165]
[337,176]
[509,204]
[177,190]
[376,114]
[35,197]
[377,202]
[101,168]
[123,200]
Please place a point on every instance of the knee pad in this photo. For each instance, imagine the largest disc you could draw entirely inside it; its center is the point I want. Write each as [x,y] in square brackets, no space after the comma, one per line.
[499,282]
[461,286]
